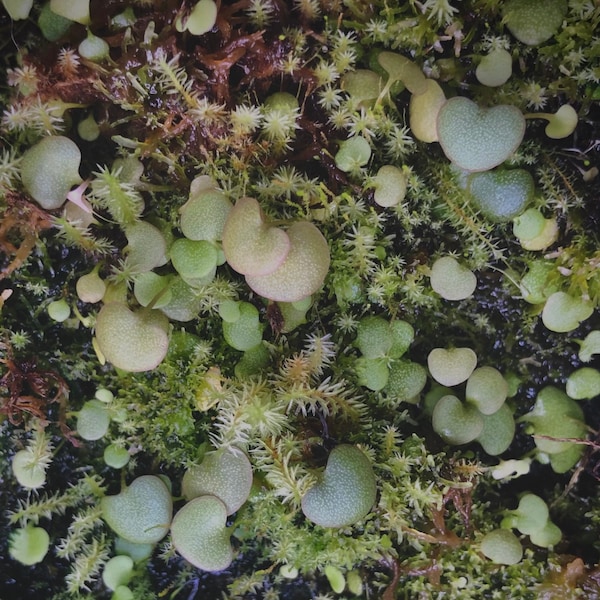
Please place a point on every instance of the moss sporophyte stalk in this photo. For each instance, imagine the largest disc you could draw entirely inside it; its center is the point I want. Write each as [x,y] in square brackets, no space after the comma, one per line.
[299,299]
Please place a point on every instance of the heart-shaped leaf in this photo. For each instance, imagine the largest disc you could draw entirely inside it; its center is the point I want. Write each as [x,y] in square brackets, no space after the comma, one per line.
[501,195]
[406,381]
[373,337]
[50,169]
[555,417]
[479,139]
[390,186]
[252,246]
[346,492]
[132,341]
[140,513]
[563,312]
[226,474]
[303,271]
[456,423]
[200,535]
[533,22]
[203,216]
[486,390]
[451,280]
[453,366]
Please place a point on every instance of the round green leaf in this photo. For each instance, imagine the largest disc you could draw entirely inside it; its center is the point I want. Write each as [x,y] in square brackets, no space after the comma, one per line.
[353,153]
[50,169]
[346,491]
[203,216]
[200,535]
[373,337]
[453,366]
[246,331]
[117,571]
[116,456]
[29,472]
[132,341]
[498,431]
[226,474]
[29,545]
[563,313]
[456,423]
[390,186]
[303,271]
[406,380]
[495,68]
[501,195]
[502,547]
[486,390]
[451,280]
[583,384]
[93,420]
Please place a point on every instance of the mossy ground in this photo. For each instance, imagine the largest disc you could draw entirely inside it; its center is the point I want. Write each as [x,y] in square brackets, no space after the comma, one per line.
[187,105]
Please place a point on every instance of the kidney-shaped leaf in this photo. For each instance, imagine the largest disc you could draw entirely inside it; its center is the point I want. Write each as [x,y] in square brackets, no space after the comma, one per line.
[346,492]
[132,341]
[200,535]
[226,474]
[140,513]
